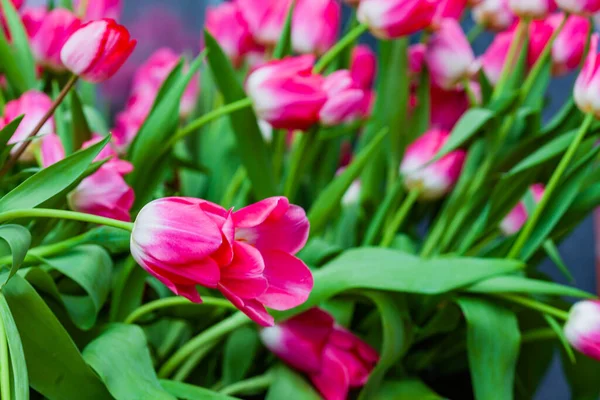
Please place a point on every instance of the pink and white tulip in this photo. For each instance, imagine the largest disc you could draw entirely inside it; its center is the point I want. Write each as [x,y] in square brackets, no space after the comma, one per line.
[448,55]
[98,9]
[493,60]
[389,19]
[315,25]
[517,217]
[97,50]
[248,254]
[334,359]
[265,18]
[532,9]
[32,18]
[436,179]
[569,46]
[286,93]
[587,85]
[56,28]
[583,328]
[346,100]
[581,7]
[449,9]
[494,14]
[363,66]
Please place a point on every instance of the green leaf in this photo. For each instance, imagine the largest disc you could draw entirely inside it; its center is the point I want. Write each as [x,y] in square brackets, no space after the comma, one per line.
[583,376]
[112,239]
[56,368]
[60,121]
[20,44]
[18,239]
[558,329]
[8,131]
[318,251]
[493,340]
[20,384]
[128,290]
[52,180]
[120,356]
[408,389]
[284,45]
[244,123]
[518,284]
[287,384]
[81,129]
[189,392]
[238,356]
[554,255]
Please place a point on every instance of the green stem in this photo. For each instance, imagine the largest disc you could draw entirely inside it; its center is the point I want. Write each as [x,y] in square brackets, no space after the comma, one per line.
[378,220]
[298,162]
[34,254]
[470,93]
[174,302]
[279,146]
[515,46]
[192,362]
[474,33]
[4,364]
[234,187]
[399,218]
[346,41]
[551,188]
[538,334]
[211,334]
[249,386]
[62,214]
[535,305]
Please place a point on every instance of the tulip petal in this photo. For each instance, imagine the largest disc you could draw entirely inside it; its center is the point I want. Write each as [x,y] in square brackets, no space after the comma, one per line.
[244,276]
[252,308]
[333,380]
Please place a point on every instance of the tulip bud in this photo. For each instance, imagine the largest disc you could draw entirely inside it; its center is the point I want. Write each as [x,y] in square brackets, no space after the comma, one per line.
[315,25]
[494,14]
[97,50]
[532,9]
[390,19]
[581,7]
[334,359]
[56,28]
[286,93]
[346,100]
[449,56]
[569,45]
[436,179]
[98,9]
[587,85]
[583,328]
[363,66]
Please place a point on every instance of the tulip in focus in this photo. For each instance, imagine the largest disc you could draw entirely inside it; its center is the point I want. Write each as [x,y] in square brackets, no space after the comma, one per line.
[494,14]
[363,66]
[587,85]
[334,359]
[532,9]
[286,93]
[583,328]
[436,179]
[448,55]
[97,50]
[315,25]
[98,9]
[56,28]
[248,254]
[346,100]
[390,19]
[581,7]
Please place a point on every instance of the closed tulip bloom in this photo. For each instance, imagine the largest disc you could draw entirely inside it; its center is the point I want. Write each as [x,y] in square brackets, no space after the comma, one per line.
[346,100]
[582,7]
[448,106]
[494,14]
[334,359]
[97,50]
[98,9]
[583,328]
[286,93]
[56,28]
[587,85]
[389,19]
[436,179]
[32,18]
[569,46]
[315,25]
[534,9]
[493,60]
[449,56]
[363,66]
[265,18]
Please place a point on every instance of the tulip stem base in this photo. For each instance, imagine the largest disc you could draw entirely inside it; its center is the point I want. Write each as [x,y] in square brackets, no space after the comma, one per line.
[62,214]
[249,386]
[174,302]
[399,218]
[535,305]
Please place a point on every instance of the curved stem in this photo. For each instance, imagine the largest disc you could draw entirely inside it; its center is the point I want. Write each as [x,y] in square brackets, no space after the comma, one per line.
[174,302]
[339,47]
[538,334]
[34,254]
[62,214]
[515,46]
[192,362]
[550,188]
[4,364]
[248,385]
[211,334]
[535,305]
[399,217]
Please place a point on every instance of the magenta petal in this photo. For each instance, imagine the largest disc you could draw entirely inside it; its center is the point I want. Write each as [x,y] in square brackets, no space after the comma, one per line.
[244,276]
[257,213]
[252,308]
[332,381]
[290,281]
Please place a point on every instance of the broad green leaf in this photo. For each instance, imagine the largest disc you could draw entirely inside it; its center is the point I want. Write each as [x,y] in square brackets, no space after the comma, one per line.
[408,389]
[284,45]
[493,340]
[250,143]
[318,251]
[519,284]
[52,180]
[20,381]
[16,239]
[186,391]
[20,44]
[121,358]
[239,353]
[81,129]
[287,384]
[56,367]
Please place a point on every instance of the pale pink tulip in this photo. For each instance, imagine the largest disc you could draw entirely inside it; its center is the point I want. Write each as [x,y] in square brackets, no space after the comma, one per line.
[286,93]
[346,100]
[569,46]
[363,66]
[315,25]
[587,85]
[583,328]
[494,14]
[534,9]
[51,150]
[389,19]
[334,359]
[97,50]
[56,28]
[98,9]
[581,7]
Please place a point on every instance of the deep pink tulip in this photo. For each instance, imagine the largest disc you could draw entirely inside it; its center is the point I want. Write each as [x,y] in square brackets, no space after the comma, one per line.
[98,9]
[389,19]
[57,27]
[248,254]
[448,106]
[493,60]
[416,59]
[583,328]
[581,7]
[535,9]
[449,56]
[434,180]
[363,66]
[569,46]
[494,14]
[315,25]
[334,359]
[97,50]
[540,32]
[32,18]
[449,9]
[286,93]
[265,18]
[346,102]
[227,24]
[587,85]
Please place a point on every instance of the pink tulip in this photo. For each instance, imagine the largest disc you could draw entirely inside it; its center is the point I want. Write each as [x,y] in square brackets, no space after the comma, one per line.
[493,60]
[265,18]
[569,45]
[363,66]
[534,9]
[449,9]
[540,32]
[416,59]
[389,19]
[315,25]
[583,328]
[587,85]
[334,359]
[56,28]
[346,100]
[109,153]
[449,56]
[32,18]
[494,14]
[581,7]
[447,107]
[436,179]
[51,150]
[248,254]
[227,24]
[98,9]
[97,50]
[517,217]
[286,93]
